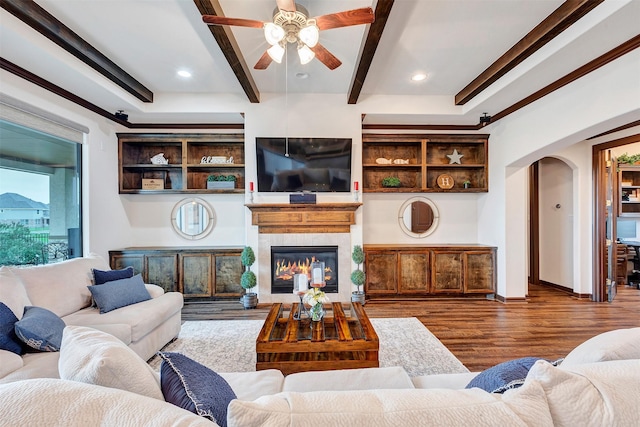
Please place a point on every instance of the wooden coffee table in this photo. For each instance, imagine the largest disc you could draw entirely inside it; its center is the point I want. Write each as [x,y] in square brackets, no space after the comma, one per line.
[340,341]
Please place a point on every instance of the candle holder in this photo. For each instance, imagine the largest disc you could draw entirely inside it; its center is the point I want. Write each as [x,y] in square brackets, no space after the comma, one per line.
[300,287]
[317,274]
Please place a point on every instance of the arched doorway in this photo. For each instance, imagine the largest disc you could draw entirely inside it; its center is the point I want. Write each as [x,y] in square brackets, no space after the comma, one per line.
[551,225]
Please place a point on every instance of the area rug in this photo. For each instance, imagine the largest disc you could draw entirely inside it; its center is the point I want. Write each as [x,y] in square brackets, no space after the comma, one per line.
[229,346]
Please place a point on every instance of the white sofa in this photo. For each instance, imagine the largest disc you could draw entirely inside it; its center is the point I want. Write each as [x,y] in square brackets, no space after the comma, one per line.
[598,384]
[62,288]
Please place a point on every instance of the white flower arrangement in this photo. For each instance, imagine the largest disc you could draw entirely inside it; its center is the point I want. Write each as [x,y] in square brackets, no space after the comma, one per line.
[314,297]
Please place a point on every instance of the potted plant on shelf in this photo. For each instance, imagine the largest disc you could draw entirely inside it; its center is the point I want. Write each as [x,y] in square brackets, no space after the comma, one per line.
[221,182]
[248,279]
[466,184]
[628,159]
[357,276]
[391,182]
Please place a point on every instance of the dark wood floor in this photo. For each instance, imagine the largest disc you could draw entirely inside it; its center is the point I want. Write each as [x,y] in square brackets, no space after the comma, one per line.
[482,333]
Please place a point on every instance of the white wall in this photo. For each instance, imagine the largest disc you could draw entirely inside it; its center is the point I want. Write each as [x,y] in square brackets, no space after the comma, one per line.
[556,222]
[602,100]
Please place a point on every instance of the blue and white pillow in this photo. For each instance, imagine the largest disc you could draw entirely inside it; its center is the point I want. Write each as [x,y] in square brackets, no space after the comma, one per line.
[194,387]
[8,339]
[40,329]
[119,293]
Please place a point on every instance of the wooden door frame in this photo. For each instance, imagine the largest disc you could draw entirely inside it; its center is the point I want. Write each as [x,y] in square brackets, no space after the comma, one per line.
[599,290]
[534,224]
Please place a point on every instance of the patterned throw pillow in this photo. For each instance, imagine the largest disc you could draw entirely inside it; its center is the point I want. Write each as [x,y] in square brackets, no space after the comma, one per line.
[40,329]
[8,339]
[194,387]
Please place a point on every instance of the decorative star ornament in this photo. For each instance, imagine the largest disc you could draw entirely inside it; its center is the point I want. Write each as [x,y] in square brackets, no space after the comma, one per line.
[455,157]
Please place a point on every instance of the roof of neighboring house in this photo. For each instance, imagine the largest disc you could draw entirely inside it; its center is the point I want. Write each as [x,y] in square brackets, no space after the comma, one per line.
[16,201]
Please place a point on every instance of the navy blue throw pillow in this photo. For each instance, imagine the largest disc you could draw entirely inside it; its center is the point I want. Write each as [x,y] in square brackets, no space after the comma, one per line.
[119,293]
[8,339]
[40,329]
[194,387]
[504,376]
[104,276]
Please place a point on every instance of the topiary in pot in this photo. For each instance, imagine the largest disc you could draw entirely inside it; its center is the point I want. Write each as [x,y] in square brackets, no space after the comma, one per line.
[358,276]
[248,279]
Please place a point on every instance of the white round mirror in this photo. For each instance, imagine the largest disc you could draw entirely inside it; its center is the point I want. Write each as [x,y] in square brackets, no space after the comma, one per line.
[418,217]
[192,218]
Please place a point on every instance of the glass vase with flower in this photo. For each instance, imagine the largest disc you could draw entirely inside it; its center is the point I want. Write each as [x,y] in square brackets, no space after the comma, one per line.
[315,298]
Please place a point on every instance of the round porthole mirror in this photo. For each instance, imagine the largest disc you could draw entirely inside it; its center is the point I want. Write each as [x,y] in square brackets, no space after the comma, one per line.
[192,218]
[418,217]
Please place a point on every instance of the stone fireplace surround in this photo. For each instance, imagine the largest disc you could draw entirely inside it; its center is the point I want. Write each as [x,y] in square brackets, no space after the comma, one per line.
[265,241]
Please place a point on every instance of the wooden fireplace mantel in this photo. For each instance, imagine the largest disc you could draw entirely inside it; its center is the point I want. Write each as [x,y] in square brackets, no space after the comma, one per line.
[303,218]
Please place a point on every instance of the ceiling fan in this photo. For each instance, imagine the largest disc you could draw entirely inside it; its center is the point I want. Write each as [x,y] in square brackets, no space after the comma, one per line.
[291,24]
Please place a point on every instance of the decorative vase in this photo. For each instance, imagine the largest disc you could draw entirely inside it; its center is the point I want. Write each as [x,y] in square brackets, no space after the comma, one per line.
[316,312]
[221,185]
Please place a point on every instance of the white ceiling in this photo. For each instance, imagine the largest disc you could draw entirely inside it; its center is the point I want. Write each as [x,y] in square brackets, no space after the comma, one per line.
[452,41]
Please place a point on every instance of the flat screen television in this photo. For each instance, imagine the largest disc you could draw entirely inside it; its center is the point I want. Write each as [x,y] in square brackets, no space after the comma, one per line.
[303,164]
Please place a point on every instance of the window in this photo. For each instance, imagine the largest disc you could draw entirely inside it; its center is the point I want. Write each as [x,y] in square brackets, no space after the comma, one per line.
[40,188]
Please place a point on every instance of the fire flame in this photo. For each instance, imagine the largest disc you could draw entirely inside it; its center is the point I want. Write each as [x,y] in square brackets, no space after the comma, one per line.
[286,270]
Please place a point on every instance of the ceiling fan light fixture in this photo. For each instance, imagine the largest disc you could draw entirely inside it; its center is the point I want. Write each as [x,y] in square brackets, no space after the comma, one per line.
[306,55]
[273,33]
[276,52]
[309,35]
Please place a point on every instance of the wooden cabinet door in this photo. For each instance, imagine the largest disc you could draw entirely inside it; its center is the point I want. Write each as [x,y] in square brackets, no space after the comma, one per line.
[196,275]
[446,272]
[162,270]
[120,261]
[414,272]
[381,270]
[479,274]
[227,277]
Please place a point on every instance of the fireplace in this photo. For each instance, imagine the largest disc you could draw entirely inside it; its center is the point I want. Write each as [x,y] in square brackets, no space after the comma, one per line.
[289,260]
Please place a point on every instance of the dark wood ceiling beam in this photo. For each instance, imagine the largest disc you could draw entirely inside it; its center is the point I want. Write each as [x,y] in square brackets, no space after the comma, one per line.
[51,87]
[420,127]
[46,24]
[587,68]
[604,59]
[368,49]
[45,84]
[227,42]
[561,19]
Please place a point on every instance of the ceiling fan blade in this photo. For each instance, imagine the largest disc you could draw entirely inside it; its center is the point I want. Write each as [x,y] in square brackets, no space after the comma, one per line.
[326,57]
[239,22]
[344,19]
[264,61]
[288,5]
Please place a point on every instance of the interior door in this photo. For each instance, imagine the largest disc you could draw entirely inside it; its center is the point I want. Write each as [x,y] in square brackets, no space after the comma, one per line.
[612,217]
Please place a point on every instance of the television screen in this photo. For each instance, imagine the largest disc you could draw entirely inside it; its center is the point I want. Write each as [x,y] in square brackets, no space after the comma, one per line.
[303,164]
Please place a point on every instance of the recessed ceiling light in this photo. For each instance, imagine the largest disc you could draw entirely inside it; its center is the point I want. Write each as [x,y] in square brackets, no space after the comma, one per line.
[302,75]
[418,77]
[184,73]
